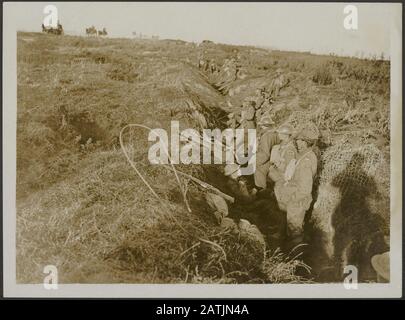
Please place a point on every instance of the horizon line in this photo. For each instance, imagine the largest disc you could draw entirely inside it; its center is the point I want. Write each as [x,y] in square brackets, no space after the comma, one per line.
[370,56]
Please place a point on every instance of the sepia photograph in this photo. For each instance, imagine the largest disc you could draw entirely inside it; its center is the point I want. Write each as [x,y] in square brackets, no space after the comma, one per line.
[204,149]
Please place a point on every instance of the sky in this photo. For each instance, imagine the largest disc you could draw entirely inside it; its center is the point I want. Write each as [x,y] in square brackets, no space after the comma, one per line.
[315,27]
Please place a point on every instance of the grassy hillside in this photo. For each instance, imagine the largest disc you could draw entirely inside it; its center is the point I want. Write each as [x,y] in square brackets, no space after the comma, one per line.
[81,207]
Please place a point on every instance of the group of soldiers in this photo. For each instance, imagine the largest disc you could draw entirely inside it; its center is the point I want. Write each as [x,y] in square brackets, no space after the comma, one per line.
[254,110]
[285,162]
[230,70]
[208,65]
[233,68]
[287,158]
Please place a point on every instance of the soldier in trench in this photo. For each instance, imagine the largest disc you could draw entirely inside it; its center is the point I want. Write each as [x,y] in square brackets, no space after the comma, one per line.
[278,83]
[282,154]
[268,138]
[294,190]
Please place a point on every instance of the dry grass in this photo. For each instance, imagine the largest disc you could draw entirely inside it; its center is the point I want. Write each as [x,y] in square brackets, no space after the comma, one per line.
[322,76]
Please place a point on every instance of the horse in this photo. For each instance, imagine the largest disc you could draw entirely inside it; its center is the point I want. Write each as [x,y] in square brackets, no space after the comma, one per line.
[91,31]
[49,29]
[102,32]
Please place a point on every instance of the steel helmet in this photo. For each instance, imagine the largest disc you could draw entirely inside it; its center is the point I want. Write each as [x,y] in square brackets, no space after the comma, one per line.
[266,120]
[286,129]
[308,133]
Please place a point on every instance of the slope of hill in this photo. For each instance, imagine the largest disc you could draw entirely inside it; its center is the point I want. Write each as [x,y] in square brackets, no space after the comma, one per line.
[82,208]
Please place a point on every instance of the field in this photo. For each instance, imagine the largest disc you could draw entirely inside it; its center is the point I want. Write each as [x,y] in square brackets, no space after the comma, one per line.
[81,207]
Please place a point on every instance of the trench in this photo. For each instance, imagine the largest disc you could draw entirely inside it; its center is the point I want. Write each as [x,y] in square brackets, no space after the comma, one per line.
[263,211]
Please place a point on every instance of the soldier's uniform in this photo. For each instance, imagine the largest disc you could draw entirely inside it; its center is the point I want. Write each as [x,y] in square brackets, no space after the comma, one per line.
[280,158]
[267,139]
[266,143]
[232,123]
[263,104]
[212,66]
[259,100]
[247,121]
[201,64]
[248,116]
[266,105]
[277,83]
[295,195]
[282,155]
